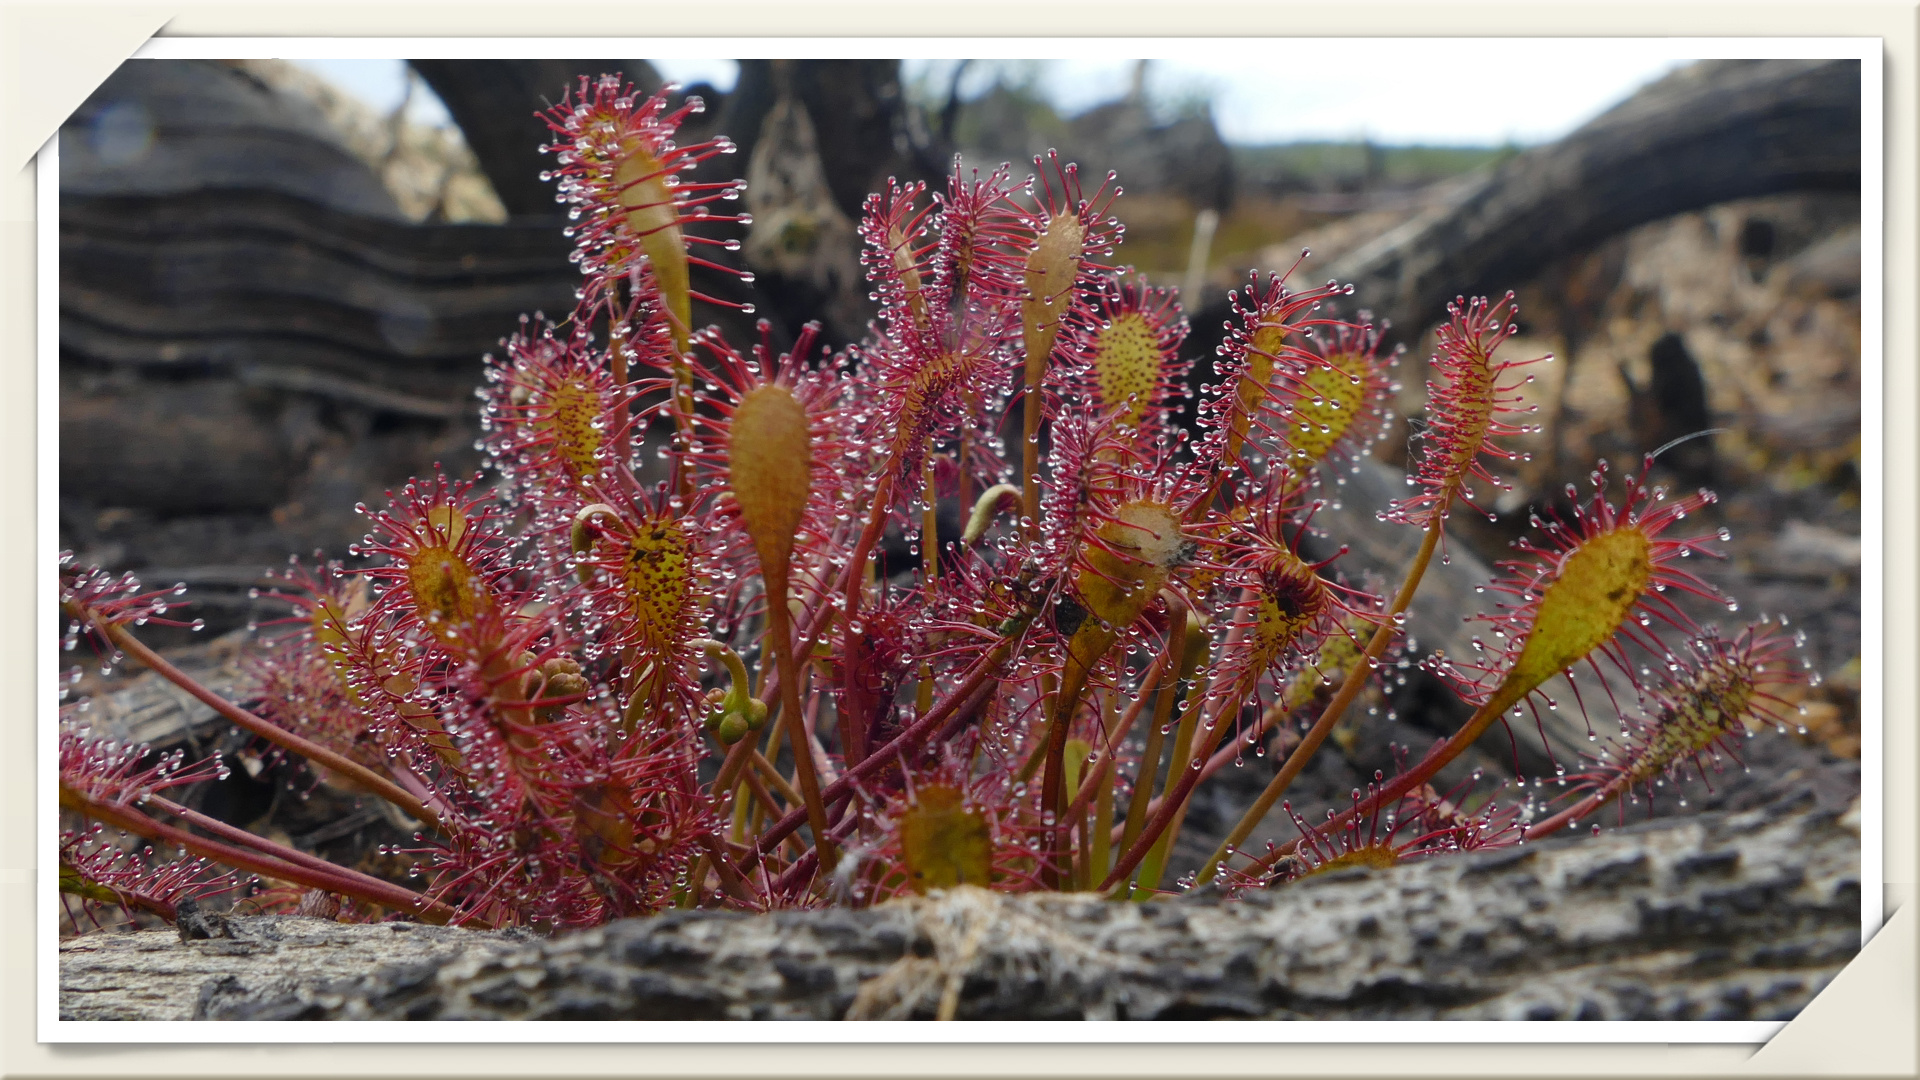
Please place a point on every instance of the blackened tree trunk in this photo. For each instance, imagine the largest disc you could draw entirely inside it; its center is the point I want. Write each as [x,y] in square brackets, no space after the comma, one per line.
[494,102]
[1708,133]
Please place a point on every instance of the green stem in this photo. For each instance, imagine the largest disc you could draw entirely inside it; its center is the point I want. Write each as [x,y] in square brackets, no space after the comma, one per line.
[1137,807]
[772,776]
[1103,769]
[780,637]
[1181,776]
[1161,830]
[1099,842]
[736,759]
[1073,684]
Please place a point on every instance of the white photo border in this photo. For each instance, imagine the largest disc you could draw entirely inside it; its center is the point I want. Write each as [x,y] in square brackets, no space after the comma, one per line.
[52,1029]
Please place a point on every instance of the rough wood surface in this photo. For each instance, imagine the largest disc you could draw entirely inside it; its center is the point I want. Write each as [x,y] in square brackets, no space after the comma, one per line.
[235,280]
[1717,917]
[149,709]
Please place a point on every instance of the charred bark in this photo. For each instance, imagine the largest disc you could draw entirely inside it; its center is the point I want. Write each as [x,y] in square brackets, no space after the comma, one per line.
[1709,918]
[1708,133]
[494,102]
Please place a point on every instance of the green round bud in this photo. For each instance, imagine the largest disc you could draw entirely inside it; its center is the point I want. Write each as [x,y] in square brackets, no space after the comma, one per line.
[733,727]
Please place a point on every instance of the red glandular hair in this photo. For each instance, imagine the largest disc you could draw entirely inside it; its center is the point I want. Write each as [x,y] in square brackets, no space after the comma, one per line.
[1122,355]
[96,873]
[1710,693]
[1286,607]
[944,341]
[622,177]
[1627,542]
[1241,430]
[1468,408]
[1421,824]
[96,600]
[1330,414]
[947,818]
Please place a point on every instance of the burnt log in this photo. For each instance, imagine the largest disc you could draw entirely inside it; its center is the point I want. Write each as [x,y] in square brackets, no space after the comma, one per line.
[494,102]
[1718,917]
[1708,133]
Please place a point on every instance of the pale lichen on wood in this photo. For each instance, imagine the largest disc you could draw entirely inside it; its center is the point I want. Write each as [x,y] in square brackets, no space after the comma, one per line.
[1743,916]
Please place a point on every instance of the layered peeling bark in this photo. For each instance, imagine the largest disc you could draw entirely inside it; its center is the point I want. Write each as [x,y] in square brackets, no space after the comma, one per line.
[1717,917]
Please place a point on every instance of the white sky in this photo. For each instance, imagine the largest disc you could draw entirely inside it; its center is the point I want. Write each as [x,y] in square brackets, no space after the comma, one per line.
[1399,92]
[1395,91]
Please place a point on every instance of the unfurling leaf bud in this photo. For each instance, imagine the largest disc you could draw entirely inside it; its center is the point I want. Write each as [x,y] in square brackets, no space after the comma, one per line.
[985,509]
[582,537]
[734,711]
[565,685]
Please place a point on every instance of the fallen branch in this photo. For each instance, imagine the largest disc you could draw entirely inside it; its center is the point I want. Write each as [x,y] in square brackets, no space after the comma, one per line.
[1708,133]
[1741,916]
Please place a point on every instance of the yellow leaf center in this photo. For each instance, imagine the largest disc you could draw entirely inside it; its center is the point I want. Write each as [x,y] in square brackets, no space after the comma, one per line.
[1329,401]
[1126,570]
[1473,384]
[1126,361]
[568,420]
[1716,701]
[944,842]
[1373,857]
[1292,599]
[446,591]
[1595,590]
[929,385]
[658,579]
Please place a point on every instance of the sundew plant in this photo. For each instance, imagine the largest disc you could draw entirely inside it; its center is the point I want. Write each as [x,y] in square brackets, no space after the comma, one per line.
[614,675]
